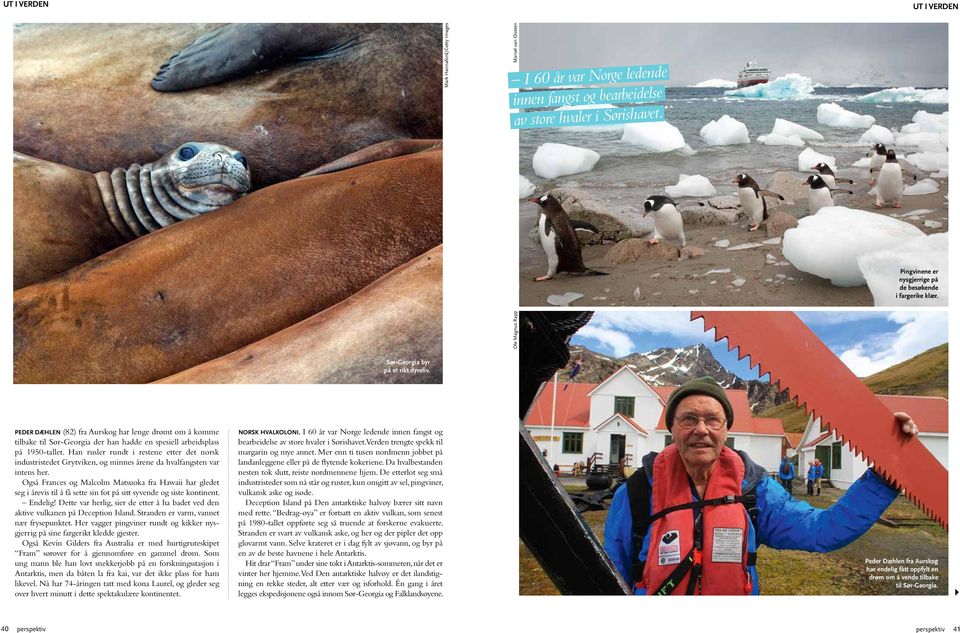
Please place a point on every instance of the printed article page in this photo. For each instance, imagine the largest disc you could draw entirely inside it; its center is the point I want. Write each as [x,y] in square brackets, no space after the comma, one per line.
[723,318]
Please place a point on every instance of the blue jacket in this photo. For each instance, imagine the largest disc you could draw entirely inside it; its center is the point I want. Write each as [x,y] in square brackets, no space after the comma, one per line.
[783,522]
[790,471]
[815,471]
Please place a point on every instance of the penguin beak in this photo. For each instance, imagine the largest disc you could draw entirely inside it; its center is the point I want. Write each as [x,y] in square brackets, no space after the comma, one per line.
[534,199]
[805,184]
[734,182]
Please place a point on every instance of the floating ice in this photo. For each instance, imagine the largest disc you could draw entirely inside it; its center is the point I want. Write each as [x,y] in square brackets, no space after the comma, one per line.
[925,186]
[833,115]
[789,86]
[658,136]
[923,121]
[715,83]
[930,141]
[877,134]
[808,158]
[725,131]
[929,161]
[827,244]
[553,160]
[863,162]
[783,127]
[910,94]
[691,186]
[526,187]
[882,268]
[776,139]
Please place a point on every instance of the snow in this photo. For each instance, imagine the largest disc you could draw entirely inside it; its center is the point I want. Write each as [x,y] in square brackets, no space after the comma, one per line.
[925,186]
[553,160]
[658,136]
[910,94]
[828,244]
[882,270]
[789,86]
[715,83]
[833,115]
[725,131]
[877,134]
[692,186]
[777,139]
[808,158]
[783,127]
[526,187]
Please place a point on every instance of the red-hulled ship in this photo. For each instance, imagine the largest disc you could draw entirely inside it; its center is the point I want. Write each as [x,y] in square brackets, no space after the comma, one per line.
[752,74]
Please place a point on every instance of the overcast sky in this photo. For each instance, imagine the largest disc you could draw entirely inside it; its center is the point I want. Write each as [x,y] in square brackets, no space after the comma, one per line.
[833,54]
[867,341]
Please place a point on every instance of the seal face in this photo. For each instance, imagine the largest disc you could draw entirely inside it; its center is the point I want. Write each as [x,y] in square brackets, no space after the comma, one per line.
[192,179]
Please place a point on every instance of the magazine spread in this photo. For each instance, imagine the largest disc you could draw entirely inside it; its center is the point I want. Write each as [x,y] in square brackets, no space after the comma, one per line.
[727,341]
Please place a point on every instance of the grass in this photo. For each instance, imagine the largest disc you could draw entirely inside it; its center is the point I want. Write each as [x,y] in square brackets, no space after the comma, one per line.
[788,572]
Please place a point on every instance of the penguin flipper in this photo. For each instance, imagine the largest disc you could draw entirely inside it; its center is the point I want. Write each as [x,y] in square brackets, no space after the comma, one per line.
[769,194]
[583,225]
[589,271]
[844,180]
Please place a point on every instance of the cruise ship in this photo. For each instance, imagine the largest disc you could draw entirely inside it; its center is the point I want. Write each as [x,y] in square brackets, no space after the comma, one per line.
[752,74]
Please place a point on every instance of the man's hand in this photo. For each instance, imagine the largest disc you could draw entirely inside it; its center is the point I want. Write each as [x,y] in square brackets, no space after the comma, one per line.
[907,425]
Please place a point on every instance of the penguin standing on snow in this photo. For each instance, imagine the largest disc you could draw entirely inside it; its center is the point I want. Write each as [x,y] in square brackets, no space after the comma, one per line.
[559,239]
[877,157]
[828,176]
[820,194]
[667,221]
[752,199]
[890,181]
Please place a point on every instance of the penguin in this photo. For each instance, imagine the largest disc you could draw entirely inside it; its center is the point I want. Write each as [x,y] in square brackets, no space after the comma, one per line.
[820,194]
[559,239]
[890,181]
[667,221]
[878,156]
[828,176]
[752,199]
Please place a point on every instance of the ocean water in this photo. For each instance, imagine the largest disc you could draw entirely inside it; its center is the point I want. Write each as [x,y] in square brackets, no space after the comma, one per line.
[625,174]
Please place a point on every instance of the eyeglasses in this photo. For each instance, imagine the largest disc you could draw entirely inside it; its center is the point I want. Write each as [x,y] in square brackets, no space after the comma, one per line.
[690,420]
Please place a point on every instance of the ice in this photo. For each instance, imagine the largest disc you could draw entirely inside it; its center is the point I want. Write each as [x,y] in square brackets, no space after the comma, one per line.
[910,94]
[808,158]
[827,244]
[744,246]
[715,83]
[722,243]
[943,173]
[931,141]
[863,162]
[526,187]
[691,186]
[658,136]
[789,86]
[739,281]
[717,271]
[877,134]
[553,160]
[565,299]
[772,240]
[725,131]
[776,139]
[882,268]
[783,127]
[927,185]
[929,161]
[923,121]
[833,115]
[918,213]
[933,224]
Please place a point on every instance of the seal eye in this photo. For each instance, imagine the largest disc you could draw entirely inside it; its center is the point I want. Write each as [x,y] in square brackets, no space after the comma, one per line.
[242,159]
[186,152]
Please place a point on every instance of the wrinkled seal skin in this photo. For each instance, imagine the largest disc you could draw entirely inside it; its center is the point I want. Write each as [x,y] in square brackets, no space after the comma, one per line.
[63,217]
[396,318]
[76,85]
[200,289]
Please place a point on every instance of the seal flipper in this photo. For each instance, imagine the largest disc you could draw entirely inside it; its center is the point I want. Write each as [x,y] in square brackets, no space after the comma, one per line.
[375,152]
[241,49]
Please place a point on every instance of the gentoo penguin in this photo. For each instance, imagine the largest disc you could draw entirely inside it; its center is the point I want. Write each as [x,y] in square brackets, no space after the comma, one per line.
[820,194]
[667,221]
[752,199]
[559,240]
[828,176]
[878,156]
[890,181]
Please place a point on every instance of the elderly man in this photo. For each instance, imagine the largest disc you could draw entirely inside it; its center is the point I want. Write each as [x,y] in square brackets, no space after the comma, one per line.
[703,508]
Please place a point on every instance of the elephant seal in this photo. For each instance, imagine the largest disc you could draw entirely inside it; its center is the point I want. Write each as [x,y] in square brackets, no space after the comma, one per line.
[200,289]
[77,85]
[389,332]
[64,217]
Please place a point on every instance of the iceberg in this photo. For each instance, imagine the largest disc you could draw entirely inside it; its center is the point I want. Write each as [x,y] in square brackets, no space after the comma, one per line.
[658,136]
[526,187]
[725,131]
[808,158]
[691,186]
[553,160]
[925,186]
[715,83]
[783,127]
[908,95]
[833,115]
[789,86]
[828,244]
[877,134]
[881,269]
[923,121]
[777,139]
